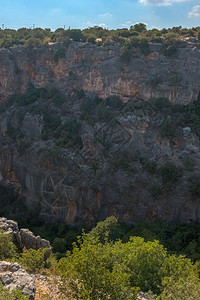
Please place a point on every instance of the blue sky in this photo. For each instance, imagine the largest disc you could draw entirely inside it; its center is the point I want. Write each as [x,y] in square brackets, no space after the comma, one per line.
[106,13]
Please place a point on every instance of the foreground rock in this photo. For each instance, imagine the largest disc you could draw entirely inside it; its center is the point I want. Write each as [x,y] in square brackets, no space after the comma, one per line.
[145,296]
[14,277]
[23,237]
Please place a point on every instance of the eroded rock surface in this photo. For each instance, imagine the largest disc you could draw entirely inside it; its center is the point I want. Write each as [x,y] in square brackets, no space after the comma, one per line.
[100,70]
[80,166]
[14,277]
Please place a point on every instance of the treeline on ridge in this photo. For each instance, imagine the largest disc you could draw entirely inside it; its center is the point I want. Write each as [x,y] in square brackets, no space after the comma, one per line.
[137,33]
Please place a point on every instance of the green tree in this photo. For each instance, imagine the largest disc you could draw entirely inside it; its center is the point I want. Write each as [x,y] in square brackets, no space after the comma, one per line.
[33,260]
[181,289]
[76,35]
[114,270]
[139,27]
[107,229]
[93,271]
[7,249]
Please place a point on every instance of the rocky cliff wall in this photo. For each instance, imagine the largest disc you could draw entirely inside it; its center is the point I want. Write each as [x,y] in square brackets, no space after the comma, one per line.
[108,159]
[125,166]
[100,70]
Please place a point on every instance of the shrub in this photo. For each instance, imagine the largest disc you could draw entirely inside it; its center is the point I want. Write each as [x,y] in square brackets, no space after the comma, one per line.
[109,229]
[23,144]
[11,295]
[69,134]
[71,74]
[167,128]
[156,39]
[155,191]
[103,113]
[114,102]
[144,46]
[88,105]
[120,160]
[50,157]
[195,189]
[170,50]
[32,95]
[7,249]
[59,245]
[60,53]
[76,35]
[169,173]
[80,93]
[56,96]
[181,289]
[91,39]
[150,166]
[33,260]
[188,164]
[126,52]
[161,104]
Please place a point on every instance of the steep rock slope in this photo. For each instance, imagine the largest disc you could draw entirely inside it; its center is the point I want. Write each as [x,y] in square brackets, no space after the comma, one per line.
[79,159]
[91,160]
[101,70]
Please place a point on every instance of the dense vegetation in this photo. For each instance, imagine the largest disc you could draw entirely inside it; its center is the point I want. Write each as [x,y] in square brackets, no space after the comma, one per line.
[53,105]
[137,35]
[102,266]
[181,239]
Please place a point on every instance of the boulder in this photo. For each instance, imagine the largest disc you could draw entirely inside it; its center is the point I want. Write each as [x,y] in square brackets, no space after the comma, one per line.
[23,237]
[14,277]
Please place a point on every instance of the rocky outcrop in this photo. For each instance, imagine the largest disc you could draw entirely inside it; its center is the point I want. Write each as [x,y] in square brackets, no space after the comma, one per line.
[14,277]
[100,70]
[23,237]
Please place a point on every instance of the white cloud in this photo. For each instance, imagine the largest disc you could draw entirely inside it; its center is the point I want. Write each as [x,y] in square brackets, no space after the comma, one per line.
[106,15]
[195,12]
[127,24]
[161,2]
[90,24]
[102,25]
[155,27]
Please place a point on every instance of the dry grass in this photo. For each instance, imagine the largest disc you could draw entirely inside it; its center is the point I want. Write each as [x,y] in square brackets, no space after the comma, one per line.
[47,288]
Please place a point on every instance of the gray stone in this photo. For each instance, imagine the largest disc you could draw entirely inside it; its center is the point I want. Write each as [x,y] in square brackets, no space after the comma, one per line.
[4,266]
[13,277]
[32,126]
[23,237]
[186,131]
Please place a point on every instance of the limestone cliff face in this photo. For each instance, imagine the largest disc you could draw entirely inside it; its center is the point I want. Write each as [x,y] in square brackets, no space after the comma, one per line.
[108,172]
[100,70]
[106,177]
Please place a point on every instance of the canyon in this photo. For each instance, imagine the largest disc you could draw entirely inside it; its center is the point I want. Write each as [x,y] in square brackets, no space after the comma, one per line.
[112,162]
